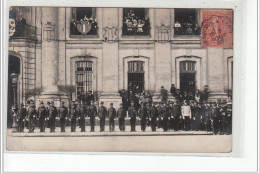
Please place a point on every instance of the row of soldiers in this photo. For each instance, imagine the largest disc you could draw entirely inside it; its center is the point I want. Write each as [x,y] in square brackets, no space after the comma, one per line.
[216,117]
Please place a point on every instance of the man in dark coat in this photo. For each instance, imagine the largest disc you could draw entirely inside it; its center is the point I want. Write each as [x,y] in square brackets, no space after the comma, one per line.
[215,110]
[82,116]
[21,114]
[160,115]
[52,116]
[121,115]
[89,97]
[163,94]
[111,114]
[143,116]
[165,116]
[228,123]
[92,112]
[176,113]
[173,90]
[132,112]
[73,114]
[31,114]
[42,115]
[63,113]
[153,115]
[102,112]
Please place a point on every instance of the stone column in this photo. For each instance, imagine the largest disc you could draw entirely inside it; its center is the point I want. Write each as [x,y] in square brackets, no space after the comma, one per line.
[50,55]
[110,84]
[216,74]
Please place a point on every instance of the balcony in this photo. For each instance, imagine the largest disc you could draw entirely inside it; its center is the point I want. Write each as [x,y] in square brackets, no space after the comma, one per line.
[24,31]
[83,29]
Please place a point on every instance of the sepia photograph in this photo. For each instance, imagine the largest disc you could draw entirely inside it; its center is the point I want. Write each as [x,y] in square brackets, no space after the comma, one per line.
[103,79]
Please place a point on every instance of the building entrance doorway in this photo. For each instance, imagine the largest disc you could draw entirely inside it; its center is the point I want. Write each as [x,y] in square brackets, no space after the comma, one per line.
[188,77]
[136,76]
[13,89]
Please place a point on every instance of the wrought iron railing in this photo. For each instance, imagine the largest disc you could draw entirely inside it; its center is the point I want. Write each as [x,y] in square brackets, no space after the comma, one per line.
[24,31]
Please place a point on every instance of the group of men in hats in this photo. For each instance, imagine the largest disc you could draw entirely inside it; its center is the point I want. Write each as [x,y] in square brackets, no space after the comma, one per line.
[186,115]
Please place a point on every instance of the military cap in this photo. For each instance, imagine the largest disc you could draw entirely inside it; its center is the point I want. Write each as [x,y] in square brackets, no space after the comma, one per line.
[111,104]
[48,102]
[101,102]
[22,104]
[41,102]
[62,102]
[31,101]
[52,102]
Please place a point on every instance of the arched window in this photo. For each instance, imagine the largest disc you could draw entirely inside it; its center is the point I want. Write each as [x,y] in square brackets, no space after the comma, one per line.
[84,77]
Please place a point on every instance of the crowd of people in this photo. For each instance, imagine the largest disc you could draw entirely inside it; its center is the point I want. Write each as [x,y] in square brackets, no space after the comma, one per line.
[134,24]
[181,114]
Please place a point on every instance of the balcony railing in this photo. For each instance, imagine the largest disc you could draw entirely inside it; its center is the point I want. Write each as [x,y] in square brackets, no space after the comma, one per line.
[24,31]
[187,30]
[136,30]
[83,29]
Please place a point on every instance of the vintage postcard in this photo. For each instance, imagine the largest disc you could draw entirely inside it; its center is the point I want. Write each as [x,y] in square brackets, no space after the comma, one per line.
[99,79]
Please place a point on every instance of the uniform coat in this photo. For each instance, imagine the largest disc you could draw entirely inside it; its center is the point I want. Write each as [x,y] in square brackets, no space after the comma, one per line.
[42,114]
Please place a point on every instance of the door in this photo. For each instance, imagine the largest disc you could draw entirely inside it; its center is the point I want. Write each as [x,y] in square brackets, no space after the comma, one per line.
[136,76]
[188,77]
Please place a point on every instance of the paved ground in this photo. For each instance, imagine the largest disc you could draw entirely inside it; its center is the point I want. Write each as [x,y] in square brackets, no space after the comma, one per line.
[181,141]
[117,132]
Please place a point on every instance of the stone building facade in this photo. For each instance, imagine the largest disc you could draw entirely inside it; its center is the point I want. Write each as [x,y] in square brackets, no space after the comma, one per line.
[54,63]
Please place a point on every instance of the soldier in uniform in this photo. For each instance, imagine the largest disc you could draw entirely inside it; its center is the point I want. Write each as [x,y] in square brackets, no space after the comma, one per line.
[82,115]
[163,94]
[186,114]
[111,114]
[63,113]
[196,117]
[228,123]
[160,112]
[171,121]
[215,118]
[52,116]
[176,113]
[47,109]
[132,114]
[102,112]
[92,112]
[165,116]
[143,116]
[31,116]
[21,114]
[121,115]
[73,113]
[42,115]
[153,115]
[223,118]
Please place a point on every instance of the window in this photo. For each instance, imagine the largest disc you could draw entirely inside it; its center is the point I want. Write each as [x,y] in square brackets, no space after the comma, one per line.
[83,21]
[187,67]
[136,21]
[84,77]
[187,77]
[136,76]
[186,22]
